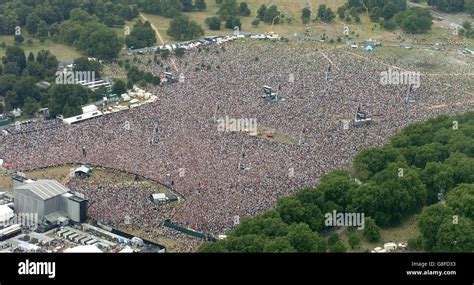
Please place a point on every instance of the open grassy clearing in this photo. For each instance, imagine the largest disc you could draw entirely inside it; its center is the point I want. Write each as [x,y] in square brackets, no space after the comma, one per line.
[61,174]
[61,51]
[292,9]
[287,7]
[5,183]
[427,60]
[121,30]
[402,233]
[333,30]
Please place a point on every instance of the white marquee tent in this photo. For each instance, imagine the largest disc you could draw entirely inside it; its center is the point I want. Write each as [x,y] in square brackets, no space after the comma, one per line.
[5,214]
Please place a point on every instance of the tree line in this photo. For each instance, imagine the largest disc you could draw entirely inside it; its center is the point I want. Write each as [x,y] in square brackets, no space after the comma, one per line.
[20,74]
[229,12]
[453,5]
[391,14]
[84,24]
[171,8]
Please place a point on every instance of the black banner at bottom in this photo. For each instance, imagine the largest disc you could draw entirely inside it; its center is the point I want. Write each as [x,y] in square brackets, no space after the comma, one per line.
[355,268]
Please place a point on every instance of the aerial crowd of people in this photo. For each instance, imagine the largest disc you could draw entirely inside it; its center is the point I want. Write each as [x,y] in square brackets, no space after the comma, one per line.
[175,140]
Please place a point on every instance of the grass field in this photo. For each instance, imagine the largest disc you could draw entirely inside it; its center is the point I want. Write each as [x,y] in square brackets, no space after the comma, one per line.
[401,233]
[61,51]
[292,9]
[5,183]
[121,31]
[57,173]
[287,7]
[61,174]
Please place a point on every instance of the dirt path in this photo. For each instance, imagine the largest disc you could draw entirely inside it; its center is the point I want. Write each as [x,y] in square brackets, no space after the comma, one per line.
[154,28]
[159,37]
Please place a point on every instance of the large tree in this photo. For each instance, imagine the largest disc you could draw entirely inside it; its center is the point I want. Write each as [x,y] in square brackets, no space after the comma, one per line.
[303,239]
[119,87]
[261,12]
[181,28]
[403,193]
[372,160]
[25,87]
[100,42]
[325,14]
[414,20]
[32,23]
[31,106]
[94,38]
[272,15]
[247,243]
[228,8]
[469,5]
[306,15]
[214,23]
[371,230]
[336,187]
[187,5]
[49,62]
[438,178]
[89,65]
[142,35]
[461,199]
[463,167]
[429,222]
[16,56]
[455,237]
[67,99]
[200,5]
[170,8]
[244,9]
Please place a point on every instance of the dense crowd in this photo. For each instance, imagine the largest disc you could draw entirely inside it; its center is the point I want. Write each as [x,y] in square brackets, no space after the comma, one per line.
[125,204]
[176,141]
[119,203]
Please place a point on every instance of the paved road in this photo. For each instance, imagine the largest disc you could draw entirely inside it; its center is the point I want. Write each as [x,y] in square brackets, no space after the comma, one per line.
[445,16]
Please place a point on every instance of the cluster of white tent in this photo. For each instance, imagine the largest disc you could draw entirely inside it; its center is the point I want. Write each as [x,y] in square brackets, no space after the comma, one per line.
[269,36]
[189,45]
[170,47]
[390,246]
[136,92]
[219,39]
[83,249]
[135,97]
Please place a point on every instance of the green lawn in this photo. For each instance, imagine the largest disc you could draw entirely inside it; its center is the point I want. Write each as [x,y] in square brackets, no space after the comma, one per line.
[293,9]
[121,31]
[61,51]
[161,23]
[401,233]
[289,8]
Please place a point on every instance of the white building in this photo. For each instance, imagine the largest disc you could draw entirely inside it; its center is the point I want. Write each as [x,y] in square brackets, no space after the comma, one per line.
[158,197]
[6,213]
[390,246]
[83,249]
